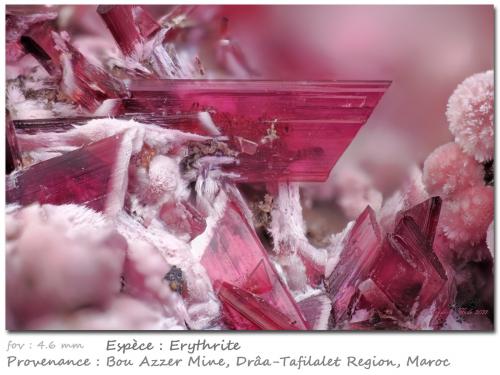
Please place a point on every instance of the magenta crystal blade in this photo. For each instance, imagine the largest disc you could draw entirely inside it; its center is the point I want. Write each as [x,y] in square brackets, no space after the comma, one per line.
[425,215]
[397,275]
[409,237]
[129,24]
[89,84]
[281,131]
[236,256]
[374,300]
[252,308]
[182,217]
[355,264]
[83,176]
[316,310]
[12,153]
[298,129]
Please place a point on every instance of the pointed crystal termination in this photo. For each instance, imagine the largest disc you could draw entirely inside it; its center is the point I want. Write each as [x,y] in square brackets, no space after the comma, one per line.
[84,83]
[316,310]
[408,271]
[236,256]
[129,25]
[425,215]
[396,274]
[297,130]
[17,21]
[355,264]
[372,297]
[406,278]
[409,235]
[254,309]
[83,176]
[315,272]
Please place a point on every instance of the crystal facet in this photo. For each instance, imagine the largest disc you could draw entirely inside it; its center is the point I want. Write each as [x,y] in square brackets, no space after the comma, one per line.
[236,256]
[286,131]
[129,24]
[253,308]
[84,83]
[83,176]
[355,264]
[388,283]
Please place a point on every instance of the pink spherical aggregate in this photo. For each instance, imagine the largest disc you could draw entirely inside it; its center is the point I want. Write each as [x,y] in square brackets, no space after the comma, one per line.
[465,217]
[470,114]
[448,170]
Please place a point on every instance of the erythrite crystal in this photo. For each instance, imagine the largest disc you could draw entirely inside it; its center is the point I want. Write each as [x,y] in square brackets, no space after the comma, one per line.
[287,131]
[408,234]
[355,264]
[129,24]
[316,310]
[18,21]
[83,176]
[84,83]
[236,256]
[372,297]
[397,275]
[315,272]
[253,309]
[277,131]
[12,156]
[182,217]
[387,284]
[426,216]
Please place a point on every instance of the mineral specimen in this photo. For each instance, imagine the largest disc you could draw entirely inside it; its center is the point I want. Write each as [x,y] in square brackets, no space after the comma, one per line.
[139,167]
[389,280]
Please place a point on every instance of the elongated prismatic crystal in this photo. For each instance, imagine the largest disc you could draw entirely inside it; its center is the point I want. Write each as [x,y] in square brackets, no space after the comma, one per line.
[280,131]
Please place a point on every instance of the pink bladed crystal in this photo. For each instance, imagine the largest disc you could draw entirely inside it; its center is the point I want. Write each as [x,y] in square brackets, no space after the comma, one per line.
[83,176]
[236,256]
[252,308]
[129,24]
[83,82]
[288,131]
[360,252]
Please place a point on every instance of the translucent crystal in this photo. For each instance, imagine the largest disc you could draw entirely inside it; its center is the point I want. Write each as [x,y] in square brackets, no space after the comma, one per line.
[129,24]
[397,275]
[82,82]
[287,131]
[252,309]
[182,217]
[425,215]
[236,256]
[316,310]
[355,264]
[387,284]
[13,155]
[83,176]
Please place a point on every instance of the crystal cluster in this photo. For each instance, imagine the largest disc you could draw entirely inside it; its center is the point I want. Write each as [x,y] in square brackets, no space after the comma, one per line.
[154,169]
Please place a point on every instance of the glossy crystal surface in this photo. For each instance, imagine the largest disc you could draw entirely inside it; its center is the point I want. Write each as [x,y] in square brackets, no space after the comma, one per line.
[236,256]
[356,262]
[386,283]
[244,309]
[289,131]
[83,176]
